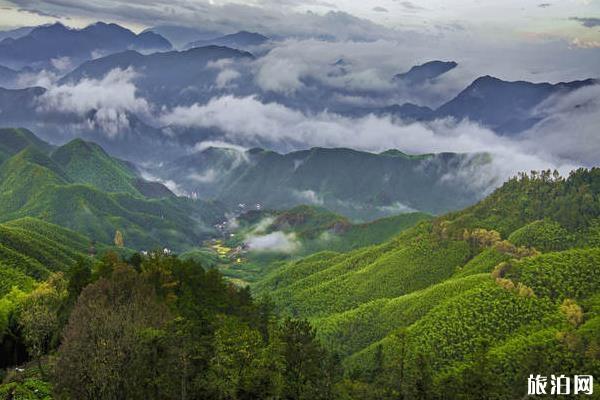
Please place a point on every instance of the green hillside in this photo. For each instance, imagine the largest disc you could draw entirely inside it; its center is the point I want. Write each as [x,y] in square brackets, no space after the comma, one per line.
[58,189]
[505,287]
[312,229]
[31,249]
[87,163]
[13,140]
[358,184]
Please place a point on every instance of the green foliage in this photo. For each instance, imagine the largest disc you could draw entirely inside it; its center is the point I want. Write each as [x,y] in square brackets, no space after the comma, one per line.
[544,235]
[412,261]
[34,185]
[13,140]
[569,274]
[348,332]
[32,248]
[482,262]
[174,330]
[448,308]
[87,163]
[573,203]
[463,332]
[315,230]
[29,389]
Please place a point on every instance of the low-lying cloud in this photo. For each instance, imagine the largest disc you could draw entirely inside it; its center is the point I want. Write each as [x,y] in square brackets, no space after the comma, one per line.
[247,119]
[278,242]
[112,98]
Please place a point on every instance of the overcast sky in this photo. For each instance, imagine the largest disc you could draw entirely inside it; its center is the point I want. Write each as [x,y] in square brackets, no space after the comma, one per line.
[537,40]
[502,20]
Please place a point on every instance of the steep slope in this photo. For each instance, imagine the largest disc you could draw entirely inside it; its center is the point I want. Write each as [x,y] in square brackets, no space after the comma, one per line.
[420,74]
[170,78]
[30,249]
[353,183]
[87,163]
[13,140]
[505,107]
[33,184]
[452,299]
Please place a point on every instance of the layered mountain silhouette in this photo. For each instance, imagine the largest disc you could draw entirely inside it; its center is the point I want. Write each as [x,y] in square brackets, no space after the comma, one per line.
[47,43]
[420,74]
[79,186]
[7,76]
[175,77]
[16,33]
[355,183]
[505,107]
[240,40]
[179,36]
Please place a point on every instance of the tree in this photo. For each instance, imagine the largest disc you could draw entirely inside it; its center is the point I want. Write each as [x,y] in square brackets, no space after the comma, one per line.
[305,375]
[236,347]
[105,341]
[119,241]
[572,311]
[39,316]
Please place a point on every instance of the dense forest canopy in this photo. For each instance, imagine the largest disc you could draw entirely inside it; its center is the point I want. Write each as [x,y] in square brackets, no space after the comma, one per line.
[468,303]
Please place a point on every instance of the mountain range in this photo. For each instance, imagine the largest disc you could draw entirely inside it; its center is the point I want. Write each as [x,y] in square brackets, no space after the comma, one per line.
[44,45]
[463,295]
[420,74]
[242,40]
[358,184]
[507,108]
[80,187]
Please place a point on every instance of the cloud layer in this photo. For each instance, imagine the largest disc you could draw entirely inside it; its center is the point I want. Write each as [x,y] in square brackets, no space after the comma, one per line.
[248,120]
[111,98]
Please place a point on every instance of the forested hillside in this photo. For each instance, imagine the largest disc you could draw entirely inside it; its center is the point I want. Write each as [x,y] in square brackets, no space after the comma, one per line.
[31,250]
[259,241]
[410,307]
[82,188]
[489,294]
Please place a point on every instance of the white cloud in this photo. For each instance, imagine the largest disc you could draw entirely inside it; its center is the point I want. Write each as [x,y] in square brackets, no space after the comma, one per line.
[585,43]
[171,185]
[62,64]
[396,208]
[570,127]
[201,146]
[354,72]
[208,176]
[112,97]
[225,77]
[43,78]
[263,225]
[308,197]
[279,242]
[247,119]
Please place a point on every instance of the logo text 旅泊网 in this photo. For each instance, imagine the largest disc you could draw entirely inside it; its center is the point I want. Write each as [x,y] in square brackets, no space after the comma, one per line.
[560,385]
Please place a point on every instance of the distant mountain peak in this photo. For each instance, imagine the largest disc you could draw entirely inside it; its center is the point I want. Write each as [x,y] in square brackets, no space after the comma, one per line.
[504,106]
[48,42]
[57,27]
[241,39]
[430,70]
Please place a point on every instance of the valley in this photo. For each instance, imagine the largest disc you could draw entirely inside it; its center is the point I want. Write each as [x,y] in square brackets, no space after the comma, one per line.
[310,201]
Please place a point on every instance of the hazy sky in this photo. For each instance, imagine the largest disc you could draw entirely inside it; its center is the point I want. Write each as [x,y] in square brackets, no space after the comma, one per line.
[515,39]
[577,21]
